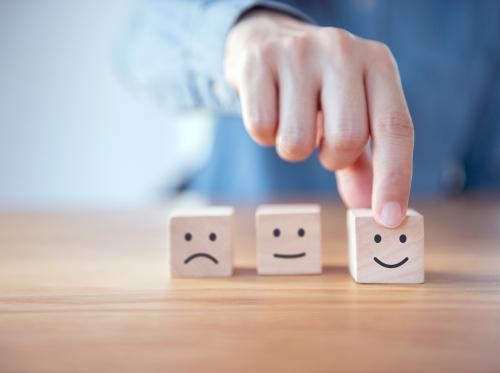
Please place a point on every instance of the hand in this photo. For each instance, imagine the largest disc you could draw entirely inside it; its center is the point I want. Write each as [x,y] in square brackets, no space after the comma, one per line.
[303,86]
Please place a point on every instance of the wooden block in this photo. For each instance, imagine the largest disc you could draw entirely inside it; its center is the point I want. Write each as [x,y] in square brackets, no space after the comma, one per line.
[288,239]
[382,255]
[200,242]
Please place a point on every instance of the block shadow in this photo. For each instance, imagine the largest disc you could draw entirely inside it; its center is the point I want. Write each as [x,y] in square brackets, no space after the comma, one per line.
[327,269]
[448,278]
[431,277]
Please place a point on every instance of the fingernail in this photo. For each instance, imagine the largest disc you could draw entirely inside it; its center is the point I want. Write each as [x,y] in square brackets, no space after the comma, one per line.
[391,215]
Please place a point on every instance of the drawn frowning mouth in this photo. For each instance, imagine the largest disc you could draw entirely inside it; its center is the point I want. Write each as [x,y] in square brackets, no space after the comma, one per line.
[379,262]
[290,256]
[201,255]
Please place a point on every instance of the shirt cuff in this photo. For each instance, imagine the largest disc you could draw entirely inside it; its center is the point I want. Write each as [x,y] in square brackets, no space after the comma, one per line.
[282,8]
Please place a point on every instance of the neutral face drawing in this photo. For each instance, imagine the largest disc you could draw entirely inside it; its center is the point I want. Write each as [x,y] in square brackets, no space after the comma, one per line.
[288,239]
[300,233]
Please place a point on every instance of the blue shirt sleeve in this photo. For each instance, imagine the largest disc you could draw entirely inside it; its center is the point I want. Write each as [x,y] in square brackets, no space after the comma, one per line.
[173,51]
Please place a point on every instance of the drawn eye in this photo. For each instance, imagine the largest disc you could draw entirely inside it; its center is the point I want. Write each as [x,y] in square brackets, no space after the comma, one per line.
[188,236]
[301,232]
[377,238]
[402,238]
[212,236]
[276,232]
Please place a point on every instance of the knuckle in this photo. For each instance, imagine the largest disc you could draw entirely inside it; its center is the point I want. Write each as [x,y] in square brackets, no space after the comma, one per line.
[343,39]
[347,140]
[248,61]
[262,131]
[296,47]
[253,58]
[339,43]
[381,50]
[293,147]
[265,50]
[396,125]
[336,35]
[326,162]
[341,151]
[382,54]
[348,143]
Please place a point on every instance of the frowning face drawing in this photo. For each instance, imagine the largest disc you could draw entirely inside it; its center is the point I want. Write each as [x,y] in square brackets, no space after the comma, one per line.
[201,243]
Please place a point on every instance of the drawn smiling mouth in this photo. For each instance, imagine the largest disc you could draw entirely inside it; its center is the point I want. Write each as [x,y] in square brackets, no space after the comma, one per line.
[201,255]
[379,262]
[289,256]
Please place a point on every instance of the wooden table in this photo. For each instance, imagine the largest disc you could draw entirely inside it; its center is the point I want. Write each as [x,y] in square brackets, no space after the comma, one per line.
[88,291]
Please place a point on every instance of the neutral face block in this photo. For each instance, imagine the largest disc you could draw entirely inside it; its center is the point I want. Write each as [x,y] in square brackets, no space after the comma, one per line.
[382,255]
[201,242]
[288,239]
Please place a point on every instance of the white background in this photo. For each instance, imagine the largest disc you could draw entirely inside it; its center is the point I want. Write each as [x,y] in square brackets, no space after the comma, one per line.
[71,135]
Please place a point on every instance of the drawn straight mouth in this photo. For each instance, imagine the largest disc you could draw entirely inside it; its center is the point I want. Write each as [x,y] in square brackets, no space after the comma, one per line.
[379,262]
[290,256]
[201,255]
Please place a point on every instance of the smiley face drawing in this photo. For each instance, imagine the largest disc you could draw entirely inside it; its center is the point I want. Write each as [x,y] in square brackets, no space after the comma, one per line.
[378,239]
[382,255]
[200,242]
[288,239]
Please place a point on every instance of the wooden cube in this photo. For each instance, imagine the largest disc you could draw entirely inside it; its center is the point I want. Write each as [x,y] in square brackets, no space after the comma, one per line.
[288,239]
[382,255]
[200,242]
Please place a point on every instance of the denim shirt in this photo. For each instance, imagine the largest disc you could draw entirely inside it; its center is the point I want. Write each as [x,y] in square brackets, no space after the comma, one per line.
[448,53]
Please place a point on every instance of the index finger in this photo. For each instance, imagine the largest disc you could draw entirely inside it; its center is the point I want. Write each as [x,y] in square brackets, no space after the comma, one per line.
[392,136]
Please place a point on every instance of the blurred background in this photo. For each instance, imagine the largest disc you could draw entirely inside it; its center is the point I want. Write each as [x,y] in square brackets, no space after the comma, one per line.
[85,88]
[71,133]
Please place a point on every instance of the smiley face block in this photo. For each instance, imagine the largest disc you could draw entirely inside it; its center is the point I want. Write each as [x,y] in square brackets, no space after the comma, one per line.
[288,239]
[382,255]
[200,242]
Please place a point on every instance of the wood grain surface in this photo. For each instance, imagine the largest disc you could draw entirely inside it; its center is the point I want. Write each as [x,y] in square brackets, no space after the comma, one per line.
[88,291]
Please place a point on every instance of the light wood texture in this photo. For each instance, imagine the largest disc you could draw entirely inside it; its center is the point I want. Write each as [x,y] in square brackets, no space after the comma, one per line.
[382,255]
[89,292]
[288,239]
[201,242]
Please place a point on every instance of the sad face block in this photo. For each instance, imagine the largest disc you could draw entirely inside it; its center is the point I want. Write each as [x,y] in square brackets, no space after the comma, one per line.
[200,242]
[382,255]
[288,239]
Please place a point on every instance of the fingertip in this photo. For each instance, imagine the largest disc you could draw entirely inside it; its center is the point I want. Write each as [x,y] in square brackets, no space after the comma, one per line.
[293,149]
[390,214]
[261,131]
